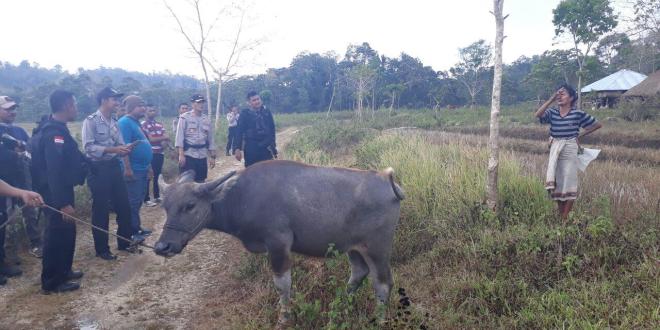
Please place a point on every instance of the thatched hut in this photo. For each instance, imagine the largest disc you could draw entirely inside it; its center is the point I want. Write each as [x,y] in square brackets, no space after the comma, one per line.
[648,88]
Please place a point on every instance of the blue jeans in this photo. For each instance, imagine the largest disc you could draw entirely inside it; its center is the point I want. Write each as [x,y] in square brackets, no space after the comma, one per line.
[136,190]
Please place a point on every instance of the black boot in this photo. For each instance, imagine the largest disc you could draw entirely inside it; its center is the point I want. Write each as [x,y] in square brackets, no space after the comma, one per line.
[64,287]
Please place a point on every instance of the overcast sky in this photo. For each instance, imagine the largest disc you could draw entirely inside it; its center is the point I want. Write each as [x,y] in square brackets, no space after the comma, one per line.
[142,35]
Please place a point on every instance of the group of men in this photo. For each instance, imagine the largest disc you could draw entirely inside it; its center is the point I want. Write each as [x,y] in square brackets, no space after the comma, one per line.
[119,158]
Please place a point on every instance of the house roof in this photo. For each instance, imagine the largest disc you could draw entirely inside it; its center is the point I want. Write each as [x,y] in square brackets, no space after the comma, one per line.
[621,80]
[649,87]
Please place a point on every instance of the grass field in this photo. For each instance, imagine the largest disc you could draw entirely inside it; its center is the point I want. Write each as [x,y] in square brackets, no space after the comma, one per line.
[457,264]
[462,266]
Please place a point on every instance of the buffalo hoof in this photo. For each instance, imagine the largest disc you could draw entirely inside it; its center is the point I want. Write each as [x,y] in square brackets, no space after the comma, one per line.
[284,319]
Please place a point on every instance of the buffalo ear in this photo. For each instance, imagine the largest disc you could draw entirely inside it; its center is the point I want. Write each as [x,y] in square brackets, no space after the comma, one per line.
[187,176]
[214,186]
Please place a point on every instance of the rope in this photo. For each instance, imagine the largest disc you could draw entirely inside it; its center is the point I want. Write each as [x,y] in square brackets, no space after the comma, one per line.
[132,242]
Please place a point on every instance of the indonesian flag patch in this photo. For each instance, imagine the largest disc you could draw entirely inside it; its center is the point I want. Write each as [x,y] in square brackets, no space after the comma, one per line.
[58,139]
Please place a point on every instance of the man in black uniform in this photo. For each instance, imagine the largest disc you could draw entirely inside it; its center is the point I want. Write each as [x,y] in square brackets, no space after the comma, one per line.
[8,111]
[59,166]
[256,128]
[9,171]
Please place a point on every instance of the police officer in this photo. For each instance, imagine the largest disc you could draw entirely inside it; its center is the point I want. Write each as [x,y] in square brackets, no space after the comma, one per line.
[60,166]
[8,109]
[256,133]
[194,140]
[104,146]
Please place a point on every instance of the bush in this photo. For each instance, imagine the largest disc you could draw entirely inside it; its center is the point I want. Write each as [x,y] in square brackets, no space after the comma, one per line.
[634,109]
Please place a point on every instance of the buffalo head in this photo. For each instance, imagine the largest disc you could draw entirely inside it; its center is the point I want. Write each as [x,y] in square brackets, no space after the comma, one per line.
[188,206]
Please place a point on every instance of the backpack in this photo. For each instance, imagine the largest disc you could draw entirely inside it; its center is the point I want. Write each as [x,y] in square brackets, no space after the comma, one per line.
[38,166]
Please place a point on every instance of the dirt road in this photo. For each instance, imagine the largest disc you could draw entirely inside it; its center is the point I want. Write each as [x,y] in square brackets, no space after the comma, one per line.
[142,291]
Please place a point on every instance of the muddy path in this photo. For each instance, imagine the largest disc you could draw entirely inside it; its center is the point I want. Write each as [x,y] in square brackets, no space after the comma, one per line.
[141,291]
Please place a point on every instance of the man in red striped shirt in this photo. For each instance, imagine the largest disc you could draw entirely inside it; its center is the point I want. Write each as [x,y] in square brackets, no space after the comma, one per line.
[157,136]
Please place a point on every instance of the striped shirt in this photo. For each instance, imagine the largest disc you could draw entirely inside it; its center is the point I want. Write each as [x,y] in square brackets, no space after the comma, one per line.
[566,127]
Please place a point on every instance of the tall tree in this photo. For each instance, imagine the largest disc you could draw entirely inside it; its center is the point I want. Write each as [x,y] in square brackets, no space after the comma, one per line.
[362,78]
[584,21]
[198,41]
[223,58]
[611,48]
[493,141]
[474,63]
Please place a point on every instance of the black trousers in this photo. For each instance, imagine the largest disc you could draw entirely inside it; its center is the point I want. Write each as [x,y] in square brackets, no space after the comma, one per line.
[156,166]
[255,153]
[231,135]
[106,182]
[59,247]
[4,217]
[199,165]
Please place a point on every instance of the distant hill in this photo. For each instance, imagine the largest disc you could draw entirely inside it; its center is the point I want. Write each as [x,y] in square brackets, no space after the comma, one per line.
[31,84]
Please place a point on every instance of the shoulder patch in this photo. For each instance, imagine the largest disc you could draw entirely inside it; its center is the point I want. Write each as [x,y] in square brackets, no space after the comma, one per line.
[58,139]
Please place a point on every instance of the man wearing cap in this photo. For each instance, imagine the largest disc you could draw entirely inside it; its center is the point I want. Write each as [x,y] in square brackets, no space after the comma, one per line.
[194,140]
[12,172]
[104,146]
[139,159]
[8,109]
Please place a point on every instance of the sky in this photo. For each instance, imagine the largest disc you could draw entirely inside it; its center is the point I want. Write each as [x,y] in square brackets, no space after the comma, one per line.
[141,35]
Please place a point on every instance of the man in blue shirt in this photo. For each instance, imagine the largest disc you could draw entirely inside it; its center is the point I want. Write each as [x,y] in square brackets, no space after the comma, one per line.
[139,159]
[8,109]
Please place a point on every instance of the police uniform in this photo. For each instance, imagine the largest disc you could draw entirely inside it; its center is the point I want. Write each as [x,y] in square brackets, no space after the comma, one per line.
[195,135]
[60,167]
[106,180]
[256,135]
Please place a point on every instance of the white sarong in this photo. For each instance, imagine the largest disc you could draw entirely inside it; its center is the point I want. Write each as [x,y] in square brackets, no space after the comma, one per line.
[561,178]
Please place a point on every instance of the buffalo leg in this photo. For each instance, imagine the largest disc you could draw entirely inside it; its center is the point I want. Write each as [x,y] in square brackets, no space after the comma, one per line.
[280,263]
[380,275]
[359,270]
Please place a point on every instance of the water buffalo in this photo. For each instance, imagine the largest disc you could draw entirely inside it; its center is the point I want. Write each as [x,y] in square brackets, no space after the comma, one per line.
[281,207]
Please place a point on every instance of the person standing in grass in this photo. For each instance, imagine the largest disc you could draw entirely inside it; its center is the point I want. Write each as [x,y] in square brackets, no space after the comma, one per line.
[565,122]
[183,108]
[157,135]
[232,124]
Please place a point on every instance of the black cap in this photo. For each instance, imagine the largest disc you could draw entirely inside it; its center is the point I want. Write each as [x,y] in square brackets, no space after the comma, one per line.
[106,93]
[197,98]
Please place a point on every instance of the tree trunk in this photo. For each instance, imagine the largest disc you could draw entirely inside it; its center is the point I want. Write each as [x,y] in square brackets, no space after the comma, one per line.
[579,88]
[218,105]
[332,97]
[493,141]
